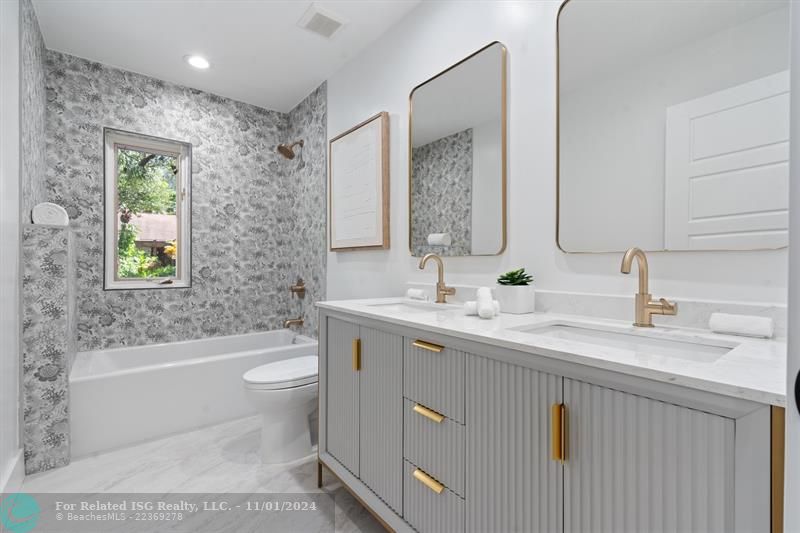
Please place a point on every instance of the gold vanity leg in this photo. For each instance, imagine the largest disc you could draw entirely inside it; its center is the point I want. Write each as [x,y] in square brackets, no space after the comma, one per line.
[778,426]
[319,474]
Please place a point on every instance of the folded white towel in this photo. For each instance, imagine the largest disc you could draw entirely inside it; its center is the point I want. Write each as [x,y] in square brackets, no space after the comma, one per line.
[744,325]
[471,308]
[439,239]
[416,294]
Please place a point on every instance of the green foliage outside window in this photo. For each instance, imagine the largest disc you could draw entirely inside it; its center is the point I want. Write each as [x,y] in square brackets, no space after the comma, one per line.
[146,183]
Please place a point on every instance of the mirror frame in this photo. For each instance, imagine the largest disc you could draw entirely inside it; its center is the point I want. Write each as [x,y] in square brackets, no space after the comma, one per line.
[503,143]
[558,170]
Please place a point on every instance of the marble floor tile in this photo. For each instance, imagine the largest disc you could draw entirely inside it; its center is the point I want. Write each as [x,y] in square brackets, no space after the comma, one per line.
[217,459]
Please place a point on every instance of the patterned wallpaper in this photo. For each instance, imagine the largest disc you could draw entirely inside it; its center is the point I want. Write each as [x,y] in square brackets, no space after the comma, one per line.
[249,203]
[307,175]
[46,345]
[441,197]
[32,118]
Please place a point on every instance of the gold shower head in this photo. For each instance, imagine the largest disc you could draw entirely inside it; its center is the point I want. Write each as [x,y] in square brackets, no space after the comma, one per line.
[286,150]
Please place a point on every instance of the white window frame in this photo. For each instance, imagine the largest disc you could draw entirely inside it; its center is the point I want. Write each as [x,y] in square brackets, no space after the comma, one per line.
[114,139]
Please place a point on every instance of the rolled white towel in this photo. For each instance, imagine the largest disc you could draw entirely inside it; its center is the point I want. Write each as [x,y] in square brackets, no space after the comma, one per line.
[439,239]
[416,294]
[484,298]
[471,308]
[744,325]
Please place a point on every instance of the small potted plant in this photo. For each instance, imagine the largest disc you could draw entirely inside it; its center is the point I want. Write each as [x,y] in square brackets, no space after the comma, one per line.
[515,292]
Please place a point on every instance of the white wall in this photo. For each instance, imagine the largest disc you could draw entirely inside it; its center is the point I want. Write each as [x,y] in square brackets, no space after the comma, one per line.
[487,193]
[9,244]
[792,466]
[437,34]
[613,130]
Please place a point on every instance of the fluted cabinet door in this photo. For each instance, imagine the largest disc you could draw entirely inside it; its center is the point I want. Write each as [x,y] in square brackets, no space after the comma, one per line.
[636,464]
[381,419]
[342,415]
[512,483]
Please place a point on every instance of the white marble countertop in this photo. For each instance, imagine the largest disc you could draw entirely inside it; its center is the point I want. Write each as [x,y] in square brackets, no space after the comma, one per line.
[755,369]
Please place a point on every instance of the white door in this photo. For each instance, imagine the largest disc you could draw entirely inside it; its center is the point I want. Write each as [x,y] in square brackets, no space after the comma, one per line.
[727,169]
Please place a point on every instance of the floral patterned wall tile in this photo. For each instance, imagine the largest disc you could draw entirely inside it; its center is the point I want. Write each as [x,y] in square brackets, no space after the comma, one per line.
[45,346]
[244,213]
[441,196]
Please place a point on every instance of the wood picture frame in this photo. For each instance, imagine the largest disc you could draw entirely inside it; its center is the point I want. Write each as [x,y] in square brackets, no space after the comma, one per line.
[358,186]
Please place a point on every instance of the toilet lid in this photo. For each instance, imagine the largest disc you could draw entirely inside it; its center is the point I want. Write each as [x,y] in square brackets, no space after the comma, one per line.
[283,374]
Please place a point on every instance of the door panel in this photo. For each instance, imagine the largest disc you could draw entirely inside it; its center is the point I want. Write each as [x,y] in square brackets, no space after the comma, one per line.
[512,483]
[635,464]
[343,395]
[381,415]
[727,172]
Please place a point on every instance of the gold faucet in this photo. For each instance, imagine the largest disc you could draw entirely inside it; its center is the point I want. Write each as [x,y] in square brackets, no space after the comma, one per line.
[645,306]
[299,288]
[293,322]
[442,290]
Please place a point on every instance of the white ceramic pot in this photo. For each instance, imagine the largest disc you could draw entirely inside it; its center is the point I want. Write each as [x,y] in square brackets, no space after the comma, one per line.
[517,299]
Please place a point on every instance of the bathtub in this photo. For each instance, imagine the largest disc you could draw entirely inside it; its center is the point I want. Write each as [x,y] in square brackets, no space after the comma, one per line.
[123,396]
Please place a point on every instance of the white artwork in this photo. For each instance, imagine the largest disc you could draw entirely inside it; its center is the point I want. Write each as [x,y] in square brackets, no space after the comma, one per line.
[359,186]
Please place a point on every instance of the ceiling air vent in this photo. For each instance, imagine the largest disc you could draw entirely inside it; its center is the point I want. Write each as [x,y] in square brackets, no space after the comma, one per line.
[320,21]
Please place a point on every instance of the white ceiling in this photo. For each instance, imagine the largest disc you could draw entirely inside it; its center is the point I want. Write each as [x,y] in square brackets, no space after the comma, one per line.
[599,37]
[258,54]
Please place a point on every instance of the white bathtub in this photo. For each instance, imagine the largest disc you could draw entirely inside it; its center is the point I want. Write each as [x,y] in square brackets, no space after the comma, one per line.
[122,396]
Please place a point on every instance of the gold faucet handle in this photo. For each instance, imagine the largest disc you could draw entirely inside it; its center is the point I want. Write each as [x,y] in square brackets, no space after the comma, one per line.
[449,291]
[668,307]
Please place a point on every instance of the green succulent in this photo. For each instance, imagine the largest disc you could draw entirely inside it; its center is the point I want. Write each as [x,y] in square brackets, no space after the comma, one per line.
[515,277]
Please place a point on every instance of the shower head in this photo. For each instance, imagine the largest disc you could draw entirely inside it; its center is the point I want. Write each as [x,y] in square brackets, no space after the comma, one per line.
[286,150]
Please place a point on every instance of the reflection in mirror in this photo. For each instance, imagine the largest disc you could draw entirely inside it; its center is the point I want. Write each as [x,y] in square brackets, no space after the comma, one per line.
[457,158]
[673,125]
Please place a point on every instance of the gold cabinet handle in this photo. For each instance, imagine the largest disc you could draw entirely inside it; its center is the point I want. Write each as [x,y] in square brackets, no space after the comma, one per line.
[558,415]
[428,481]
[428,413]
[356,355]
[425,345]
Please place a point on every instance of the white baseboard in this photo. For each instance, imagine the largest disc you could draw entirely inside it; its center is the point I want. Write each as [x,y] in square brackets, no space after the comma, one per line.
[13,474]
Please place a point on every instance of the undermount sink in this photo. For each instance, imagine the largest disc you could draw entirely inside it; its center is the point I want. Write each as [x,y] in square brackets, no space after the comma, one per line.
[698,350]
[412,307]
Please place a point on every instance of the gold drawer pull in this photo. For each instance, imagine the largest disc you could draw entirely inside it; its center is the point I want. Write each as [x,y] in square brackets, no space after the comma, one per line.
[428,481]
[356,355]
[427,346]
[428,413]
[558,415]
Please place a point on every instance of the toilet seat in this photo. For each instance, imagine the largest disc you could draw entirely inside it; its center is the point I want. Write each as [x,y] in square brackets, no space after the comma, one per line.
[285,374]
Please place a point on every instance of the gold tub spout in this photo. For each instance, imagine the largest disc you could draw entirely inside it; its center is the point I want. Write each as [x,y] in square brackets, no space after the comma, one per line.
[293,322]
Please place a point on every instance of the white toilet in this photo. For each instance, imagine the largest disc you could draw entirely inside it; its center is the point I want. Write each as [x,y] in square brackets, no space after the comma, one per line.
[285,393]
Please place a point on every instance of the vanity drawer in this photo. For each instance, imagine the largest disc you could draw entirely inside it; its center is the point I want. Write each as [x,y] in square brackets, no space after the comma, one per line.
[434,376]
[425,509]
[435,447]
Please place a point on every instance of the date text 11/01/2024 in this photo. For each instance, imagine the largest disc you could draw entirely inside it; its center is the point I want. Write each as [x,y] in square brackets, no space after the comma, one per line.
[186,506]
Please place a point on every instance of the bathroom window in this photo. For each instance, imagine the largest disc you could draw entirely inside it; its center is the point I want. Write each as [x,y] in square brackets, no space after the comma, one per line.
[147,212]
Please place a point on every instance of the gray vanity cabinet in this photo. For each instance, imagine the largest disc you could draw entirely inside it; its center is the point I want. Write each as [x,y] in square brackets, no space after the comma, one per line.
[381,415]
[342,394]
[364,406]
[435,433]
[636,464]
[512,482]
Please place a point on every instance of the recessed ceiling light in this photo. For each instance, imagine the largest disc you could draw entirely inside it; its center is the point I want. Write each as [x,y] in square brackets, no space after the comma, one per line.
[197,61]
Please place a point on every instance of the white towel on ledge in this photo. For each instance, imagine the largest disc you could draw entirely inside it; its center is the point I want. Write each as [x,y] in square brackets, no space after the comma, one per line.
[744,325]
